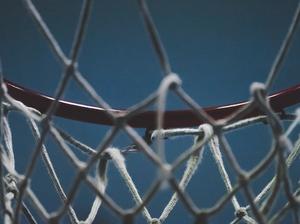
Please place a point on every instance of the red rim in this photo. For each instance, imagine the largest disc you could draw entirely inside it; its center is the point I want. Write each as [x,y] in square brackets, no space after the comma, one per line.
[147,119]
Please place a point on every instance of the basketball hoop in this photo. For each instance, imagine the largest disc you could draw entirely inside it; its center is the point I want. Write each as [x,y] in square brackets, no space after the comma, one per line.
[208,126]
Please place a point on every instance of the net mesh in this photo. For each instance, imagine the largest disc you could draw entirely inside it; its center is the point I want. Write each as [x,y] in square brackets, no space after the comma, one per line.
[19,200]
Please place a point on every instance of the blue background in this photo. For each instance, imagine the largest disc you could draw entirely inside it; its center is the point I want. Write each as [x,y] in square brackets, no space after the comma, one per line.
[217,47]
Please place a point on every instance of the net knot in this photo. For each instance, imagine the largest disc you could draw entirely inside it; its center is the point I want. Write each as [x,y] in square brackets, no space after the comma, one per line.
[53,219]
[171,81]
[128,218]
[243,179]
[240,213]
[120,120]
[11,186]
[71,66]
[176,81]
[205,131]
[166,172]
[257,87]
[155,221]
[285,143]
[201,218]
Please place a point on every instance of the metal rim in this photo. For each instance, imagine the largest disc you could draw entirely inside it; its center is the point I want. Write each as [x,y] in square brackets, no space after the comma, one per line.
[146,119]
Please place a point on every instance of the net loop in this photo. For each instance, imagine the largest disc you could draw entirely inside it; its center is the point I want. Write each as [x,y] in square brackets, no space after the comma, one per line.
[262,102]
[203,131]
[170,81]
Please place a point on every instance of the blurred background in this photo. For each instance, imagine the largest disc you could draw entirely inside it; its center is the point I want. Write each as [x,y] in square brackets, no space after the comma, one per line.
[217,47]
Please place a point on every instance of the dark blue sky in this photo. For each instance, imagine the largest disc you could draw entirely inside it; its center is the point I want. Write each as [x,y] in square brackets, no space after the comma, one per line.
[217,47]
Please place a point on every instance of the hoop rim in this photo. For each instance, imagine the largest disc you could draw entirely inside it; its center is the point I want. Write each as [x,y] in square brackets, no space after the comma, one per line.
[147,119]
